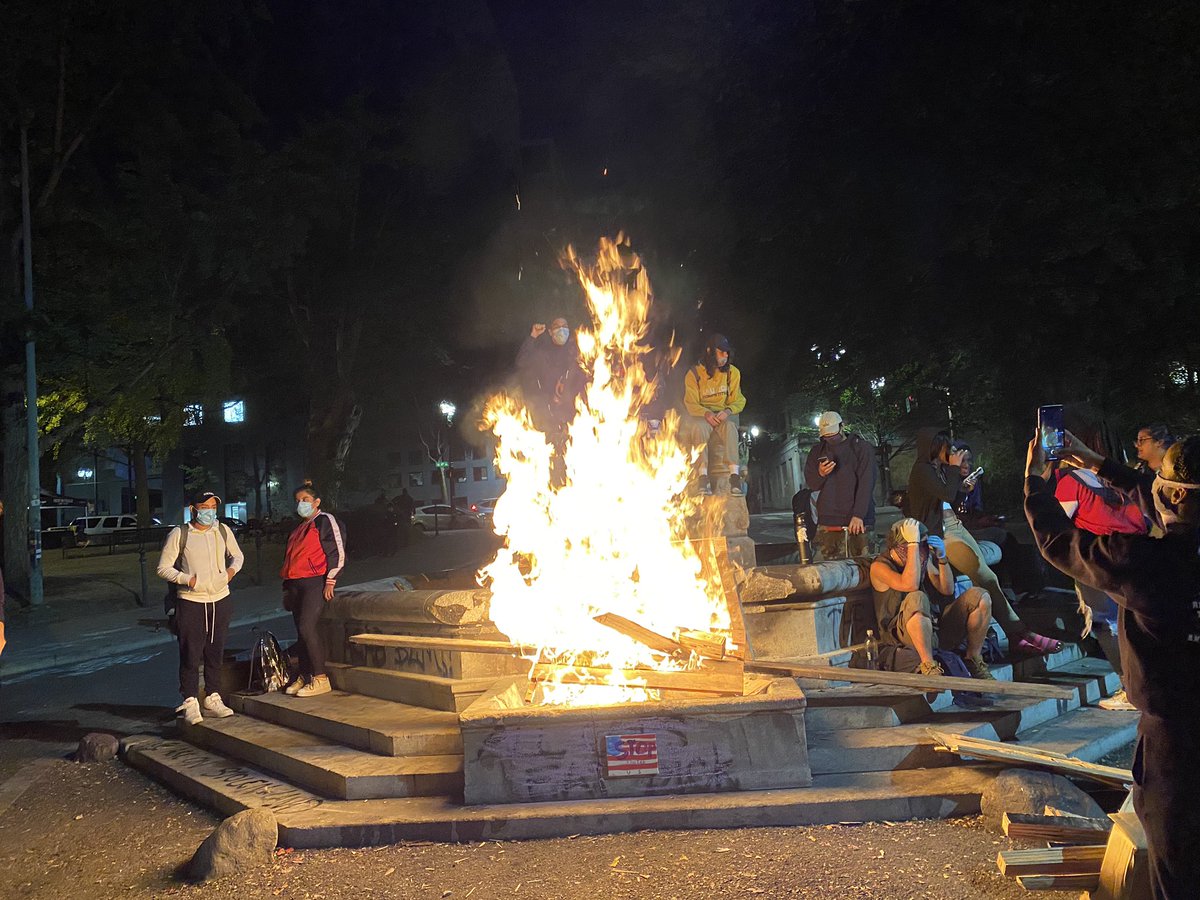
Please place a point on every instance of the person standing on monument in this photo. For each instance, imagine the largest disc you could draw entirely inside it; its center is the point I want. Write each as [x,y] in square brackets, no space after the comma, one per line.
[199,559]
[712,401]
[315,555]
[550,376]
[841,467]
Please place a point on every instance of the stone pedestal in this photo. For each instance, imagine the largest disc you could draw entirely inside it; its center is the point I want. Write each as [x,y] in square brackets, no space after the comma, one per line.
[514,753]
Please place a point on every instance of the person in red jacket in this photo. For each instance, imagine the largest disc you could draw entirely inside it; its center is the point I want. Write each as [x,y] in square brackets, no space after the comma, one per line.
[315,555]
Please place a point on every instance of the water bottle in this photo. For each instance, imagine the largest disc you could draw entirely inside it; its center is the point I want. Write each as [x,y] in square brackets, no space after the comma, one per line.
[802,540]
[871,650]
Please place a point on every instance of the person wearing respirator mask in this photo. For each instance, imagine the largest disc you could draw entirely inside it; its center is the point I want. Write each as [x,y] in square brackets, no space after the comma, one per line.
[315,555]
[1156,584]
[550,376]
[201,563]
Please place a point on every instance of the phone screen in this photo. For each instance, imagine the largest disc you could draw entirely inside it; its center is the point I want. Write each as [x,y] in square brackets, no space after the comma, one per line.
[1050,429]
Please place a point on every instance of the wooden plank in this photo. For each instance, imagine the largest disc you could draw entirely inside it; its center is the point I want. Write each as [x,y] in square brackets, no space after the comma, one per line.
[1060,861]
[1125,872]
[465,645]
[703,643]
[727,683]
[716,567]
[908,679]
[978,748]
[1067,829]
[639,633]
[1058,882]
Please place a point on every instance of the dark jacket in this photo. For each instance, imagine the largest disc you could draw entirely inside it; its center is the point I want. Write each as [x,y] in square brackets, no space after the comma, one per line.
[550,377]
[1155,581]
[849,490]
[1138,483]
[930,484]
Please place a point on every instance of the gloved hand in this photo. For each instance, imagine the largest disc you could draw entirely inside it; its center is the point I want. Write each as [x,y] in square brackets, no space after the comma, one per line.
[910,530]
[937,546]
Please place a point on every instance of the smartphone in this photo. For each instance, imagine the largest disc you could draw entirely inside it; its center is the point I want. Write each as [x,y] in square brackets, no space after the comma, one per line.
[974,476]
[1050,429]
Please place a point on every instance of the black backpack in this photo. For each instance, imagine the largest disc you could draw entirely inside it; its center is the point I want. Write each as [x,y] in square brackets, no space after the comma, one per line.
[171,597]
[268,665]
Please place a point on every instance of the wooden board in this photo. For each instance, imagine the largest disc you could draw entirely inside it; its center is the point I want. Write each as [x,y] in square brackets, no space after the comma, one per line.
[639,633]
[908,679]
[465,645]
[1060,861]
[715,566]
[1067,829]
[713,682]
[1058,882]
[978,748]
[1125,872]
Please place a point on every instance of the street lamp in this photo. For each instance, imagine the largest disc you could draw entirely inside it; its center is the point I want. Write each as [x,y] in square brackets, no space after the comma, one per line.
[754,431]
[448,410]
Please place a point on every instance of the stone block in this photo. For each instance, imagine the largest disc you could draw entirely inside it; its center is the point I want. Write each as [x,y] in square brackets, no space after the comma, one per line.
[97,747]
[514,753]
[768,583]
[805,628]
[1028,791]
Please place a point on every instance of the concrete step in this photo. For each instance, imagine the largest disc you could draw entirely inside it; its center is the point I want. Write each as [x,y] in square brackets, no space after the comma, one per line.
[308,820]
[411,688]
[1087,733]
[858,750]
[327,768]
[366,723]
[1092,678]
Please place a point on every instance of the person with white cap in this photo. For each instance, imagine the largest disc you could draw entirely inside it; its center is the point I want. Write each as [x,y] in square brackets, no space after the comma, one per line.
[199,559]
[841,467]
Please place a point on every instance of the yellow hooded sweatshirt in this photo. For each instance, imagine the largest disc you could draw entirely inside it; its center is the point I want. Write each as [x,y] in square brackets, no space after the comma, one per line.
[712,393]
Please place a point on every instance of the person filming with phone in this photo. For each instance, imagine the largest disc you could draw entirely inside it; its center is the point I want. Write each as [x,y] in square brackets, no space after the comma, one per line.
[1156,584]
[841,467]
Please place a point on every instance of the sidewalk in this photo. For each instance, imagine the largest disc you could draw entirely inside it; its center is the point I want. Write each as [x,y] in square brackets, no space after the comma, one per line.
[90,635]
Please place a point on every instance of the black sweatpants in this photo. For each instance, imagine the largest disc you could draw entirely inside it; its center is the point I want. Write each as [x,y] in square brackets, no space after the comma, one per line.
[1166,797]
[202,631]
[305,597]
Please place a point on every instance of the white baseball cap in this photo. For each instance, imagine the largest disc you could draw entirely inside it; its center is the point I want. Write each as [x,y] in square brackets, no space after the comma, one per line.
[829,424]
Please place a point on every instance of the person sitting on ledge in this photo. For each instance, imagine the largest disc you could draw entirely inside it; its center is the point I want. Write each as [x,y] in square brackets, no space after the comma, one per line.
[907,579]
[712,400]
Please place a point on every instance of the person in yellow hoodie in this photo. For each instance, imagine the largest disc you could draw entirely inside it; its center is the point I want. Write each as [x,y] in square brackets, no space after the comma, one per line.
[712,400]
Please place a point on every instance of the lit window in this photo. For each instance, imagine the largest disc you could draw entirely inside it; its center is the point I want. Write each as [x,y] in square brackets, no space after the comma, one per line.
[235,411]
[153,420]
[416,479]
[481,473]
[193,414]
[85,473]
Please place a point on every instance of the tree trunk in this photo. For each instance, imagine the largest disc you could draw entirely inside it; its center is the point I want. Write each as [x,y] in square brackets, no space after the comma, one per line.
[331,428]
[16,487]
[141,488]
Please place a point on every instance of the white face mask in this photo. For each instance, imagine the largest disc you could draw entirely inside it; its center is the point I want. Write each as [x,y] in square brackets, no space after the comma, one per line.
[560,335]
[304,509]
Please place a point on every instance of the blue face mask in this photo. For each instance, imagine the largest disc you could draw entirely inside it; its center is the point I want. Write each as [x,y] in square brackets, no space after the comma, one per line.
[559,336]
[304,509]
[206,517]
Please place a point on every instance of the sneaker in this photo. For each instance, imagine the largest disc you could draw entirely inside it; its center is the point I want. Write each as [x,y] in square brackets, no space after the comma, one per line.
[1119,700]
[736,487]
[705,487]
[978,668]
[189,711]
[933,667]
[297,683]
[215,707]
[318,685]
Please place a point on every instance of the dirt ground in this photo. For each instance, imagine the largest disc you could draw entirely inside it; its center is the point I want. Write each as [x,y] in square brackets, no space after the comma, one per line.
[105,831]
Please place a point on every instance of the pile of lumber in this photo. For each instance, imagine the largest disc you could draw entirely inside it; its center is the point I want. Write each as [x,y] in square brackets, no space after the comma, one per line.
[1106,857]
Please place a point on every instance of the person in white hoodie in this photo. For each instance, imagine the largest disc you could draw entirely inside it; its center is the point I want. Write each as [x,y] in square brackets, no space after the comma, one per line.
[201,557]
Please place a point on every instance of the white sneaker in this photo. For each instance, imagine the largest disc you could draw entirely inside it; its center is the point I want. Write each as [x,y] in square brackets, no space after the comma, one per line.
[1119,700]
[297,683]
[189,711]
[319,685]
[215,707]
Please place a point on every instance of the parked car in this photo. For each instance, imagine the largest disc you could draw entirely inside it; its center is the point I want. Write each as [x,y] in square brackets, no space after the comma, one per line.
[86,528]
[447,517]
[485,508]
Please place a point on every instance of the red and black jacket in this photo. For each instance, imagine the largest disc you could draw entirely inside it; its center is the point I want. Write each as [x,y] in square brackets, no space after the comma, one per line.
[316,547]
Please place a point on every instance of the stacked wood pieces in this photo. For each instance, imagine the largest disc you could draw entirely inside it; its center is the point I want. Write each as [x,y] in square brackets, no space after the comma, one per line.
[1056,868]
[1059,829]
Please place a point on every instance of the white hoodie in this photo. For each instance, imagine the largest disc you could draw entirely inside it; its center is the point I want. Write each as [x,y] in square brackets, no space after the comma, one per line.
[204,557]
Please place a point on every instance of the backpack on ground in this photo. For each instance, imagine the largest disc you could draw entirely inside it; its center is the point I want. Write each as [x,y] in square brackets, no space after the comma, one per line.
[268,665]
[171,597]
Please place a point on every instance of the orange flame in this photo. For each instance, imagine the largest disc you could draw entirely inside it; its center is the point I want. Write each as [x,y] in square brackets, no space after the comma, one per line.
[609,535]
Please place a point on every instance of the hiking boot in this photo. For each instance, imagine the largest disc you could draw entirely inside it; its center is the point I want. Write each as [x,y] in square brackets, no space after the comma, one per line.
[736,486]
[933,667]
[978,668]
[189,711]
[1119,700]
[319,685]
[215,707]
[297,683]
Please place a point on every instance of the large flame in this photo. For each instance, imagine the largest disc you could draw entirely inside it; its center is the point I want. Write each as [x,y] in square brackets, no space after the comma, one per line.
[602,529]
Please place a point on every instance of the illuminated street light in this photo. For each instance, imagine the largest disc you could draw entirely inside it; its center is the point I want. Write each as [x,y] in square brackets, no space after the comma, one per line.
[448,410]
[754,431]
[84,474]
